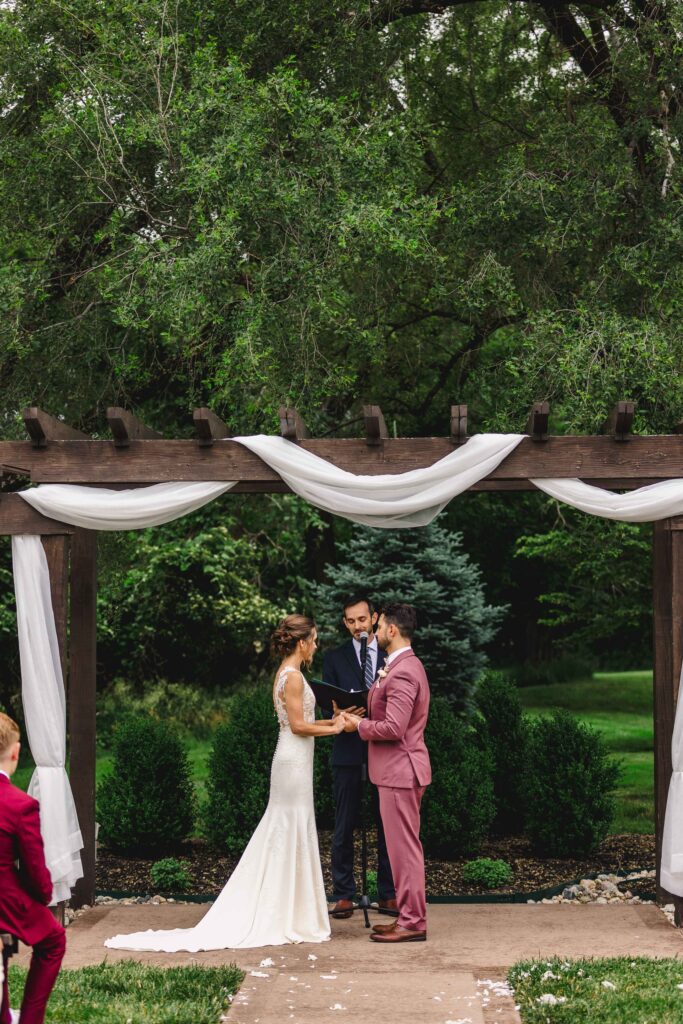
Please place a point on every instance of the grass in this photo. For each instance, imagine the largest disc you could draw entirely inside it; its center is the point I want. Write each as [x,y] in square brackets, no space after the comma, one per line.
[645,991]
[197,750]
[130,993]
[619,706]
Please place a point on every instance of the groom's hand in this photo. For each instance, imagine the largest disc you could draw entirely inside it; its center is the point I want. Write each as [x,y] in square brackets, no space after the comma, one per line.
[351,723]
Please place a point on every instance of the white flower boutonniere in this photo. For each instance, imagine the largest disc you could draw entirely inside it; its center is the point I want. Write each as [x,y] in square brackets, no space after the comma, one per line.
[381,674]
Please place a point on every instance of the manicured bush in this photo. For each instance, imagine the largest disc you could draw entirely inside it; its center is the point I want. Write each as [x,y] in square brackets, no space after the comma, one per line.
[569,779]
[170,875]
[459,805]
[146,804]
[238,783]
[504,729]
[488,873]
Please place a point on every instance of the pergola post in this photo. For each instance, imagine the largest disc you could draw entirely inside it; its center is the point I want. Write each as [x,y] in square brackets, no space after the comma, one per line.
[668,651]
[82,686]
[57,554]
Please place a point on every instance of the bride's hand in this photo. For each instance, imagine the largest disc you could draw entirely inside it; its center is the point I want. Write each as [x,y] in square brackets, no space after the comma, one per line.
[339,722]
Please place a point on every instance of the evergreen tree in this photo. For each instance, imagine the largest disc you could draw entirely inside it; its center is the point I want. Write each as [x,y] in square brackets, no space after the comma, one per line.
[427,568]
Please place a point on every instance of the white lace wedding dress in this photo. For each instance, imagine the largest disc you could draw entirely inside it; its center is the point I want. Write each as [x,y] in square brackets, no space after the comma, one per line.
[275,894]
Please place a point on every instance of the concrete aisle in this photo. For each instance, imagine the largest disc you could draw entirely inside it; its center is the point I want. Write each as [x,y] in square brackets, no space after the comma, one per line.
[456,976]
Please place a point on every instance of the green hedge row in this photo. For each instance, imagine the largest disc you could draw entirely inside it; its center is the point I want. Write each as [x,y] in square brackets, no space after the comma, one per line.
[496,772]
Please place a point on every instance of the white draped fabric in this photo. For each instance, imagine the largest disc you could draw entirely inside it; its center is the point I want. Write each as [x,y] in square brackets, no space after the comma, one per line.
[644,505]
[45,714]
[672,839]
[391,501]
[101,508]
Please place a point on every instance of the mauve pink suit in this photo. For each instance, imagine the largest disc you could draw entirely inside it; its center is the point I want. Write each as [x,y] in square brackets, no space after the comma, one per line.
[398,763]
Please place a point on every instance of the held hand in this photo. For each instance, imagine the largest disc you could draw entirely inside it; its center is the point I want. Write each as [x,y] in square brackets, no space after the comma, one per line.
[338,722]
[351,723]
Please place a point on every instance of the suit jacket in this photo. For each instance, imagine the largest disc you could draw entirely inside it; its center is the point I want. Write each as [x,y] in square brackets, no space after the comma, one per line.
[26,889]
[341,668]
[398,707]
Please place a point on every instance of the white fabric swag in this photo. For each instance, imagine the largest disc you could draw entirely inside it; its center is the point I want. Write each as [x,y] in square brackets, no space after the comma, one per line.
[390,501]
[45,714]
[671,869]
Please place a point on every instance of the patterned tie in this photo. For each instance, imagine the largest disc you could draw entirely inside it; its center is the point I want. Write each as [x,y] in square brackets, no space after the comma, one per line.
[369,674]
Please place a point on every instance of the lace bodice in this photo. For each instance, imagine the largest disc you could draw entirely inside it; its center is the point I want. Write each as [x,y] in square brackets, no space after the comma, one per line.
[279,700]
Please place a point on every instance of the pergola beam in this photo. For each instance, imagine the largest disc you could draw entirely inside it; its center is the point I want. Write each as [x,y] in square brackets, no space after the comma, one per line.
[292,426]
[537,426]
[458,432]
[375,428]
[41,428]
[620,421]
[126,427]
[596,458]
[208,427]
[17,516]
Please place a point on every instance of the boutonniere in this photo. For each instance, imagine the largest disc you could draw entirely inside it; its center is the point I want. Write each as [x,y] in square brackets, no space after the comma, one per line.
[382,674]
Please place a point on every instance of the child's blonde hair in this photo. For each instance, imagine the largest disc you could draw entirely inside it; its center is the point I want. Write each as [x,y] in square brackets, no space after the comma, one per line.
[9,733]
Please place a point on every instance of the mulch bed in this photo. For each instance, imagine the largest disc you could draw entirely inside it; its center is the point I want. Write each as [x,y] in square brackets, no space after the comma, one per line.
[209,870]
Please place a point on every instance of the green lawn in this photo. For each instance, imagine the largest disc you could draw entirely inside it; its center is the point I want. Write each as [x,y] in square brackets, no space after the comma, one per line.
[619,705]
[611,991]
[198,752]
[129,991]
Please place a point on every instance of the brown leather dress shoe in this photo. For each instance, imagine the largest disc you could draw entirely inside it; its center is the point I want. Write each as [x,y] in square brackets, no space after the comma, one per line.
[382,929]
[342,909]
[399,934]
[387,905]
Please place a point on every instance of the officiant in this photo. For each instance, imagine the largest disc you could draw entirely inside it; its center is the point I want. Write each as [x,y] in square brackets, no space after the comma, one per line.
[342,668]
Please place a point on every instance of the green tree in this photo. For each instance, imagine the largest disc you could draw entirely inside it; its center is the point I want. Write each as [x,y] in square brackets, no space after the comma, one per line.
[427,568]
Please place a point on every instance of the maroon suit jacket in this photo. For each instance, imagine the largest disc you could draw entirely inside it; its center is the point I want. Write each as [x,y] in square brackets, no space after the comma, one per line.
[397,716]
[25,890]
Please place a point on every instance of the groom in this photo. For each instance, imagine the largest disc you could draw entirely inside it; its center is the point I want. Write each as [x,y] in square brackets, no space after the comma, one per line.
[398,761]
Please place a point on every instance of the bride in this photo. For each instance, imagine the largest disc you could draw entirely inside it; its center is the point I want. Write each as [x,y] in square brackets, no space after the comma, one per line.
[275,894]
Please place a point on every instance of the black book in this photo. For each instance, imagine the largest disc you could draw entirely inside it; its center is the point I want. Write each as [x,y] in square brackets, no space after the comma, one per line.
[325,693]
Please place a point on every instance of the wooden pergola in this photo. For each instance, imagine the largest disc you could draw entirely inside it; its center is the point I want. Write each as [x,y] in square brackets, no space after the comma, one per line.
[137,455]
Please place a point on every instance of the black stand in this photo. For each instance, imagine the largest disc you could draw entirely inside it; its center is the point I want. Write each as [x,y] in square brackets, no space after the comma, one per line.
[364,901]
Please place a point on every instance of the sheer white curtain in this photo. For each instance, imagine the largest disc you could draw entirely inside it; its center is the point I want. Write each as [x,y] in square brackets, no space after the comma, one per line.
[672,840]
[45,714]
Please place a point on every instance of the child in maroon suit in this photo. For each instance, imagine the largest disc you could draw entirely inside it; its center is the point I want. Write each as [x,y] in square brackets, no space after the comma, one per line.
[25,886]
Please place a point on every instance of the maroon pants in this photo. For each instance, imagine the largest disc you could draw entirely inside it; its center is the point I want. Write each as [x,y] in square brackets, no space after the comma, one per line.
[400,810]
[45,963]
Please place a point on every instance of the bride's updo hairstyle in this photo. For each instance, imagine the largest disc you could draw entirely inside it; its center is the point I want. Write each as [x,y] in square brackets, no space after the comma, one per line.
[289,631]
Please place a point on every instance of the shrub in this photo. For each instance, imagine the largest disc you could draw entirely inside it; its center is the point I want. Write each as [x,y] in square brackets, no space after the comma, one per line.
[372,884]
[170,875]
[428,568]
[459,805]
[238,783]
[569,780]
[487,873]
[504,730]
[146,803]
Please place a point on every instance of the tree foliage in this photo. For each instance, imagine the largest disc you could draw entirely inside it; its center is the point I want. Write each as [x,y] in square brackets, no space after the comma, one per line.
[427,568]
[403,200]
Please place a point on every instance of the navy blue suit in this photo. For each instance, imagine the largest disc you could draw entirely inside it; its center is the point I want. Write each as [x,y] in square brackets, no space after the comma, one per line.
[341,667]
